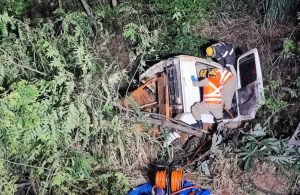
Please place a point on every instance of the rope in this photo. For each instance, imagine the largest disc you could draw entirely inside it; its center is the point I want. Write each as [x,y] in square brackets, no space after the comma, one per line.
[177,192]
[161,179]
[176,180]
[161,190]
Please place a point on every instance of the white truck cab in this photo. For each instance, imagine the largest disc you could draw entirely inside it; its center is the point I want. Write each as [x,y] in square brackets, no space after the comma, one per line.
[167,88]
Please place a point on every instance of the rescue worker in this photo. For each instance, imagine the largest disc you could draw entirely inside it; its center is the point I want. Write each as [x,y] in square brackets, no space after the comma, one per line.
[224,54]
[213,100]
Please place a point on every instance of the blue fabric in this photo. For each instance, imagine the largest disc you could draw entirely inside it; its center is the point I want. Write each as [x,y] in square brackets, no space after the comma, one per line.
[145,189]
[197,191]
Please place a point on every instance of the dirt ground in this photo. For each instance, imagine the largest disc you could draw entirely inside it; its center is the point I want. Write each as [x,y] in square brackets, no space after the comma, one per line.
[263,178]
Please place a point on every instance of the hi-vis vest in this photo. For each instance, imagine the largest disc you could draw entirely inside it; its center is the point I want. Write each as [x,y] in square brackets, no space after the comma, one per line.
[212,93]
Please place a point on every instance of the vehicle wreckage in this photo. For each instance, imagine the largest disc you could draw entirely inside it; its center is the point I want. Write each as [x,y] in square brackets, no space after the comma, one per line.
[166,88]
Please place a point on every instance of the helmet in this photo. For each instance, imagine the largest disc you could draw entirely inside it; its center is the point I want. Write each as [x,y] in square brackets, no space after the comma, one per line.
[210,51]
[203,73]
[212,73]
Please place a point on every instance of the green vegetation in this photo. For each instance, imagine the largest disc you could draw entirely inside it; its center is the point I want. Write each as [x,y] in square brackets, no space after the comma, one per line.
[61,131]
[178,35]
[14,7]
[56,128]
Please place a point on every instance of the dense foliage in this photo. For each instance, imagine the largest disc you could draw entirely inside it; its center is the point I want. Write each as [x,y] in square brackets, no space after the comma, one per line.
[16,7]
[56,129]
[60,128]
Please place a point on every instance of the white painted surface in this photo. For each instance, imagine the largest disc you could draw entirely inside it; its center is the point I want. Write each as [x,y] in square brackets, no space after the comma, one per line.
[190,94]
[171,137]
[259,89]
[187,117]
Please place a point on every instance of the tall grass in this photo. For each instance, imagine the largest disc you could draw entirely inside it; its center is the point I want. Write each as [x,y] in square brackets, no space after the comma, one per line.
[268,12]
[277,11]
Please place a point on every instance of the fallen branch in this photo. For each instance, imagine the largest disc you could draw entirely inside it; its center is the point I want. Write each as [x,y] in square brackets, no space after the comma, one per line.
[88,9]
[172,125]
[32,69]
[21,66]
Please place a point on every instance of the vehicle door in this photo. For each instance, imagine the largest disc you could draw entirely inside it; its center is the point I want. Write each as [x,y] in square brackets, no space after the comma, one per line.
[250,84]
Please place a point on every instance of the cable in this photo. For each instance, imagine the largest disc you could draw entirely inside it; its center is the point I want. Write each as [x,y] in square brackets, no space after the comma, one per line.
[190,187]
[176,180]
[162,191]
[161,179]
[195,154]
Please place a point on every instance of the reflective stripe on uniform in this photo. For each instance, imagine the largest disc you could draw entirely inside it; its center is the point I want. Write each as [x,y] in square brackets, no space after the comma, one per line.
[216,92]
[225,76]
[210,99]
[217,44]
[212,93]
[231,52]
[225,54]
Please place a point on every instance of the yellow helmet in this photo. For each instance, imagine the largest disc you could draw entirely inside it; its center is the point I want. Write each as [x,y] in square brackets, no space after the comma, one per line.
[210,51]
[212,73]
[203,73]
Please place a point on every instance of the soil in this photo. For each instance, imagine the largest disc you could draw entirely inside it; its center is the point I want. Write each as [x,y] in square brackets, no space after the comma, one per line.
[228,178]
[265,179]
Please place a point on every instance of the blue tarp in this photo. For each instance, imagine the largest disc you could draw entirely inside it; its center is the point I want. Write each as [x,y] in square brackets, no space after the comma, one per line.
[146,189]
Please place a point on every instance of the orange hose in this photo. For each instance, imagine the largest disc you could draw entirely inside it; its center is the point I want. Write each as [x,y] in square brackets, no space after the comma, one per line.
[176,180]
[161,179]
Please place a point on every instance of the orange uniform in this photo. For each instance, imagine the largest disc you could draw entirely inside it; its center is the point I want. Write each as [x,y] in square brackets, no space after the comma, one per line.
[212,92]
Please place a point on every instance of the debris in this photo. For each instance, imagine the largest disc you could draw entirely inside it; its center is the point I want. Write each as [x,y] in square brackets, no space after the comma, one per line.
[295,140]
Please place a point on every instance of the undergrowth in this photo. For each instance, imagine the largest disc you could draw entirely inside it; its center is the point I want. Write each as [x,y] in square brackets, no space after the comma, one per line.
[60,129]
[266,12]
[58,126]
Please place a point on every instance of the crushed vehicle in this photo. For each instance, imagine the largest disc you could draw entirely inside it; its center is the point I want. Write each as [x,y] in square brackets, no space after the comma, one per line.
[166,88]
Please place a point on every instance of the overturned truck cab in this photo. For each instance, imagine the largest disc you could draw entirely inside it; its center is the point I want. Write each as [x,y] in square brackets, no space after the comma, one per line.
[166,88]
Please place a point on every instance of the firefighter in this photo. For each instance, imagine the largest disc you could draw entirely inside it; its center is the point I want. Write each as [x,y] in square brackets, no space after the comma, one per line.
[213,100]
[223,53]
